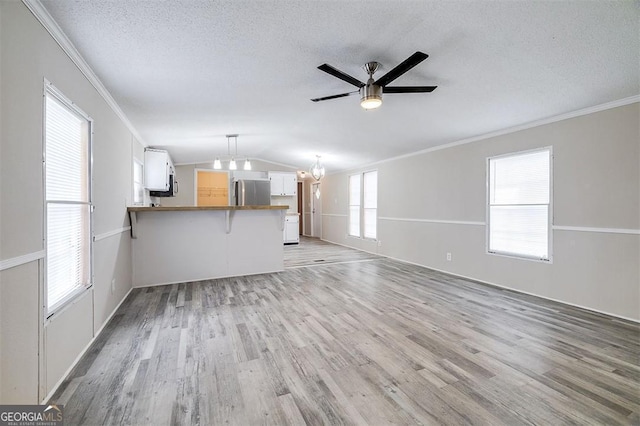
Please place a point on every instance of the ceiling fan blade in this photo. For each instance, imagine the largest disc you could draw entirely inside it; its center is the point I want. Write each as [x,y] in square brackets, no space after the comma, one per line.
[339,74]
[403,67]
[341,95]
[409,89]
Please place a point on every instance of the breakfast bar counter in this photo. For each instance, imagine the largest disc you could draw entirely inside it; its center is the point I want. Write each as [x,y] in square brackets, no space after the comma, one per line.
[188,243]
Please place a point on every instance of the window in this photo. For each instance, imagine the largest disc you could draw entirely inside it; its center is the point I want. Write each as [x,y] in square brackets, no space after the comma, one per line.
[138,184]
[67,199]
[363,204]
[519,207]
[370,204]
[354,205]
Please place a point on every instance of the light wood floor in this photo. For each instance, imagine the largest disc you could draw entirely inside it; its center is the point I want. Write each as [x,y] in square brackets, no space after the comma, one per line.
[371,342]
[313,251]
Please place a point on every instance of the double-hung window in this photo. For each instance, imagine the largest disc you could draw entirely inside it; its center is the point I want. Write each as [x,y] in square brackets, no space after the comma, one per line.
[68,200]
[519,204]
[363,205]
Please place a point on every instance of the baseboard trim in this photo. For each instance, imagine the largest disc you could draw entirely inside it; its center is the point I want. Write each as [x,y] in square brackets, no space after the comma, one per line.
[344,245]
[329,263]
[84,351]
[562,302]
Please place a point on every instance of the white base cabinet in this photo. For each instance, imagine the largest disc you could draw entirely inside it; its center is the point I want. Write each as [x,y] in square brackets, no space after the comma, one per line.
[291,229]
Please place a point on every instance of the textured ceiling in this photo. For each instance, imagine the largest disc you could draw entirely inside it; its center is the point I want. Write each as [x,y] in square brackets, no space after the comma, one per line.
[188,72]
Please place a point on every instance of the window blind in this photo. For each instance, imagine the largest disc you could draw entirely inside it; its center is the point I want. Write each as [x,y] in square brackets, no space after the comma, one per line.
[354,205]
[370,204]
[519,200]
[68,232]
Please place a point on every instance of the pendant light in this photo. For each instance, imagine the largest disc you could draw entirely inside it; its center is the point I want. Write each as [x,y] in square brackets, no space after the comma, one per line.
[233,158]
[317,169]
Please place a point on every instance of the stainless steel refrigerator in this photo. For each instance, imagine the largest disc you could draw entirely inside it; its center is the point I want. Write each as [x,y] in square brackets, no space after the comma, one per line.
[252,192]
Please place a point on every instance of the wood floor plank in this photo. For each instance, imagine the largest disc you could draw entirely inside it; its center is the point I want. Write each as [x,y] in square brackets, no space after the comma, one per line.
[353,339]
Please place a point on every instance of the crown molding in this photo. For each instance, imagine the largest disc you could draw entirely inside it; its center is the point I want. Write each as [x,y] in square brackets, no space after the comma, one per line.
[573,114]
[49,24]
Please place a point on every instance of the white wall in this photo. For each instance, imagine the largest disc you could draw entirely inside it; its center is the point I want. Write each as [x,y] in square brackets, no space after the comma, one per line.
[596,186]
[28,55]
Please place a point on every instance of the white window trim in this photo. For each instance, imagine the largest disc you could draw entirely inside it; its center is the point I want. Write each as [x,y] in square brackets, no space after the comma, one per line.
[362,208]
[550,212]
[48,312]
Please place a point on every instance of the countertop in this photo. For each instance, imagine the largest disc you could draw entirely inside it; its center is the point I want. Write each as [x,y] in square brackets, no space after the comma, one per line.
[198,208]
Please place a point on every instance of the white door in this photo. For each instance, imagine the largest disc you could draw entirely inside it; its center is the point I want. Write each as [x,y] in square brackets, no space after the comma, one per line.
[316,211]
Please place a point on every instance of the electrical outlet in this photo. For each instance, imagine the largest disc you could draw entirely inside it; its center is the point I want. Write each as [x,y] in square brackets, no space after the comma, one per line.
[379,243]
[449,257]
[113,286]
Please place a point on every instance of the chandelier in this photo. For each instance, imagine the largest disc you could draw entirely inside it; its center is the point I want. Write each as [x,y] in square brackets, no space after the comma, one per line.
[317,169]
[217,163]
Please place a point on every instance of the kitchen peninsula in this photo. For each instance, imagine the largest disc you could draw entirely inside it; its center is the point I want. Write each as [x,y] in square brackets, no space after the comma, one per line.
[188,243]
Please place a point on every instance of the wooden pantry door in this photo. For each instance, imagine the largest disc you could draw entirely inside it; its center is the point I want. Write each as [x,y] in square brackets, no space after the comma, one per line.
[212,188]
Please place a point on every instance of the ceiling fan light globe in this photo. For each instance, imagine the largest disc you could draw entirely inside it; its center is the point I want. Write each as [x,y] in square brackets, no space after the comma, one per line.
[371,103]
[370,96]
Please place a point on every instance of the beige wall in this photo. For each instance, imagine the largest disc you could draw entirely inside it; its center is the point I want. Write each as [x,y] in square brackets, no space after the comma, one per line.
[185,177]
[34,357]
[596,185]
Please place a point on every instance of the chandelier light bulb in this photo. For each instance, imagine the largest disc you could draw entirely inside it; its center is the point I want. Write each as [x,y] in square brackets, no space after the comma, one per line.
[317,169]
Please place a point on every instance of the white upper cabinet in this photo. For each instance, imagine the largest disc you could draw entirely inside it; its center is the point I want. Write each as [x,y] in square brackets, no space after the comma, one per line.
[157,168]
[283,183]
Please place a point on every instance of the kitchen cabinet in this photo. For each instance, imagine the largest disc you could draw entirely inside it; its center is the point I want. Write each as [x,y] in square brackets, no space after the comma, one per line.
[158,170]
[283,183]
[291,228]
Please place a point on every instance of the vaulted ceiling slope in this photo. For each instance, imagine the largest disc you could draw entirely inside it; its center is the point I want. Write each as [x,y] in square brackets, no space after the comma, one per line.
[187,72]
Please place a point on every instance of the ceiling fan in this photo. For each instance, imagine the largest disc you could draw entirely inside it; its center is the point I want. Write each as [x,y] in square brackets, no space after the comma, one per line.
[371,92]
